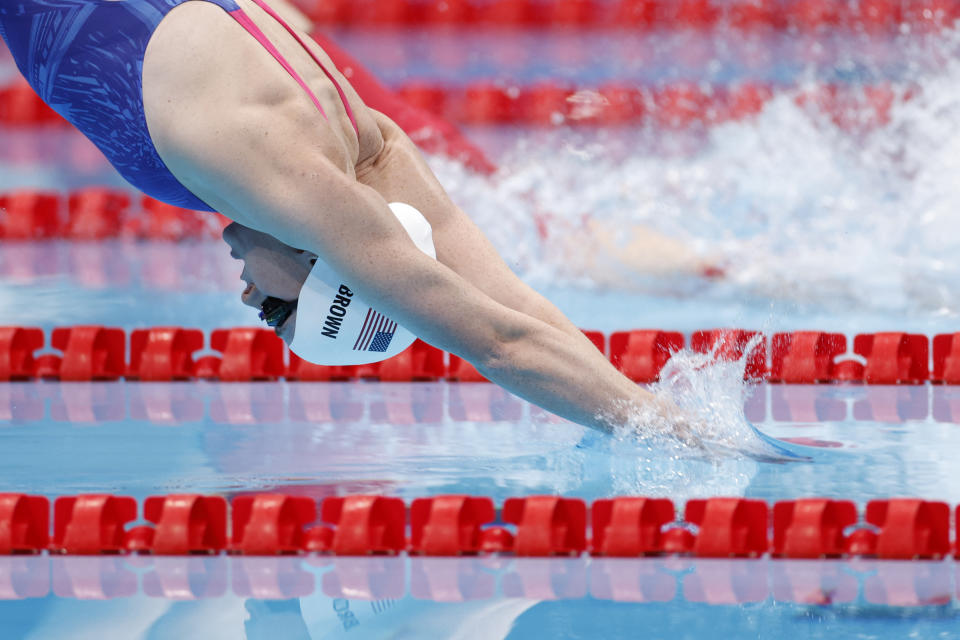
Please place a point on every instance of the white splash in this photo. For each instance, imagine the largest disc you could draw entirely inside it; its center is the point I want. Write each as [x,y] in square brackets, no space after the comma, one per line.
[795,206]
[705,394]
[718,452]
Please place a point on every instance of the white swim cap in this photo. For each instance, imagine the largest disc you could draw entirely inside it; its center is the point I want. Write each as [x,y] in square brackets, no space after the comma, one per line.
[336,327]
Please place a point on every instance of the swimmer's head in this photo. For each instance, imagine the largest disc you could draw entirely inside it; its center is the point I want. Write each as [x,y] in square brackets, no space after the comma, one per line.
[283,281]
[274,273]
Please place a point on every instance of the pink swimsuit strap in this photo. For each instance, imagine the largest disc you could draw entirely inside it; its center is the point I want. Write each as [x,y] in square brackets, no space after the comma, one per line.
[244,20]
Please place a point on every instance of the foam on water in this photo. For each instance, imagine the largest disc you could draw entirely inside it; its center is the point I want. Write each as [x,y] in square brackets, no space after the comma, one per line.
[795,205]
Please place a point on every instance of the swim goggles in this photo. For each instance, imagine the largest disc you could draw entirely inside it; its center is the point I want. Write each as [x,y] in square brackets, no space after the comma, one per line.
[275,311]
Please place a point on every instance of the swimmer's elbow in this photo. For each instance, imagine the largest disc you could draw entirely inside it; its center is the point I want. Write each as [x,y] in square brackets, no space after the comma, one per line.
[503,348]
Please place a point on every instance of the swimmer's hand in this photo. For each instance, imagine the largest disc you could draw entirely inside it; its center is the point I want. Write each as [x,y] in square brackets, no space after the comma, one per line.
[271,269]
[701,439]
[673,422]
[658,417]
[686,431]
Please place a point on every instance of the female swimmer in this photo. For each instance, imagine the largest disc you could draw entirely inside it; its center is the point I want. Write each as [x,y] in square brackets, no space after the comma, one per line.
[221,105]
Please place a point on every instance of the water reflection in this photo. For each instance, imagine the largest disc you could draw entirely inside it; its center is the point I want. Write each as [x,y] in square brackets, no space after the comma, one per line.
[336,597]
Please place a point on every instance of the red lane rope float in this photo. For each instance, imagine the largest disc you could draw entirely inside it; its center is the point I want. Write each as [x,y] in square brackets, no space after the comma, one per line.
[893,358]
[812,528]
[728,527]
[731,344]
[17,346]
[163,354]
[805,357]
[364,525]
[672,106]
[24,523]
[426,110]
[20,106]
[184,524]
[628,527]
[946,359]
[546,526]
[248,354]
[30,215]
[451,525]
[96,213]
[99,213]
[802,15]
[456,525]
[89,353]
[91,524]
[270,524]
[641,355]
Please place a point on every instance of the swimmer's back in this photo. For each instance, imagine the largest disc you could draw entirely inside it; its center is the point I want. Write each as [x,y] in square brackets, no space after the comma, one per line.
[208,57]
[84,58]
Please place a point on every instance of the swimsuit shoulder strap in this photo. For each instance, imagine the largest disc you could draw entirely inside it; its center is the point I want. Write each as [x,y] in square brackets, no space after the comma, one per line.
[244,20]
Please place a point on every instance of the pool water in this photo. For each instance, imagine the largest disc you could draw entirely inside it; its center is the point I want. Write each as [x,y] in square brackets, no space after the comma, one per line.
[197,284]
[466,598]
[424,439]
[419,439]
[817,227]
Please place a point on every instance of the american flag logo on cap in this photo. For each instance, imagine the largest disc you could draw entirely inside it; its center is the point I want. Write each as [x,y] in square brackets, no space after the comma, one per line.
[376,333]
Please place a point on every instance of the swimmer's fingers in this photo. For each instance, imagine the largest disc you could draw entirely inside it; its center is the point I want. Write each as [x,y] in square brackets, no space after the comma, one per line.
[688,434]
[644,250]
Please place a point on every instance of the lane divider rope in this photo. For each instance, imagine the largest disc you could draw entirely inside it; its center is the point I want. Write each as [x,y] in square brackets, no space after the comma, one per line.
[245,354]
[100,213]
[805,16]
[676,105]
[456,525]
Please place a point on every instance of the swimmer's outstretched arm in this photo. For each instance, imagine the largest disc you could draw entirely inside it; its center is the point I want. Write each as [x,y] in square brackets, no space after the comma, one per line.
[289,189]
